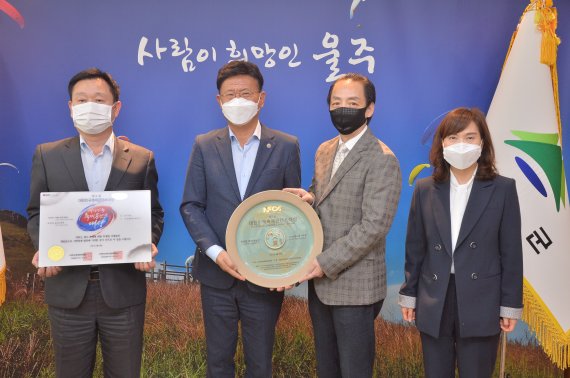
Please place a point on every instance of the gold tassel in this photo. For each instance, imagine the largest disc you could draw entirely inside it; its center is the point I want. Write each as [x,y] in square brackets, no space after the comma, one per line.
[546,21]
[548,331]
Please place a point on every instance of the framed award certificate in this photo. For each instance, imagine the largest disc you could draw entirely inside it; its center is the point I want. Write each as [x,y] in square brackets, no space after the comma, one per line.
[93,228]
[273,237]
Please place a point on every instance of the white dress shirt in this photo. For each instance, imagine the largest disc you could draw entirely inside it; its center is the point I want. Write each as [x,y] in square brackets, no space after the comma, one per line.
[458,198]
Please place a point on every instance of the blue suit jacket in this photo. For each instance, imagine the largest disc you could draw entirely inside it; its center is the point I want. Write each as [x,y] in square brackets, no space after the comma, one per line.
[488,255]
[211,192]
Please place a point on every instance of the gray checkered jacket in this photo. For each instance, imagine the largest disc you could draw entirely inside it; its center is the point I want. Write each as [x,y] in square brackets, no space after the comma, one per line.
[356,208]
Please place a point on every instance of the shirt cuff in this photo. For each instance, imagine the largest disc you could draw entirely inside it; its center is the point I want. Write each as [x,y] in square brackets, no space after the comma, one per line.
[511,313]
[407,302]
[213,252]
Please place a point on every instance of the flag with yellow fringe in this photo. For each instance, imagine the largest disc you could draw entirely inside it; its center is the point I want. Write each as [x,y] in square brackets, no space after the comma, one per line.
[2,271]
[524,118]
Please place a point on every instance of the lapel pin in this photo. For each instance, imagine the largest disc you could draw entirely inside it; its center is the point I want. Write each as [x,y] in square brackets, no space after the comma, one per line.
[268,145]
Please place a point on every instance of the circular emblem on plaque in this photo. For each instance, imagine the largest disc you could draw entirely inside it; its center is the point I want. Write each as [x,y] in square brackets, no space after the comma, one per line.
[273,237]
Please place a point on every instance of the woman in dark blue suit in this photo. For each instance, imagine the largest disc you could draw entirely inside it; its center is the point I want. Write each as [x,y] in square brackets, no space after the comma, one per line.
[464,266]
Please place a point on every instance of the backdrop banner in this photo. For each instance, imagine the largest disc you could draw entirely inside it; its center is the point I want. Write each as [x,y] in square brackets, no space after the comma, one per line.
[425,58]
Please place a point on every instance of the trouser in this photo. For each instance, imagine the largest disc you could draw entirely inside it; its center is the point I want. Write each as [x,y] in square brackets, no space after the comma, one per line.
[344,337]
[75,333]
[258,313]
[475,356]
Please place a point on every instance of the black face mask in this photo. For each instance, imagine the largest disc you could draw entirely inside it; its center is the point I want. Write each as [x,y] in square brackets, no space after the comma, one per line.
[348,120]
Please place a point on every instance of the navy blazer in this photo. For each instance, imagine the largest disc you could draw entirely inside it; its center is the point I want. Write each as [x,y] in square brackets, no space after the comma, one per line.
[211,192]
[487,259]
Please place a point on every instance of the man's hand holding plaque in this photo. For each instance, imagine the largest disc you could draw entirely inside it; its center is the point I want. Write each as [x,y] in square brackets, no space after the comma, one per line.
[301,193]
[44,272]
[226,264]
[148,266]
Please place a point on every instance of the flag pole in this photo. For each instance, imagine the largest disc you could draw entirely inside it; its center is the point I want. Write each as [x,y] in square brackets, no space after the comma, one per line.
[503,354]
[524,117]
[2,271]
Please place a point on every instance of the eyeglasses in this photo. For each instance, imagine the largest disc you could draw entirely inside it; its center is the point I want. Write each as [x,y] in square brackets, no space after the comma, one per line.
[246,93]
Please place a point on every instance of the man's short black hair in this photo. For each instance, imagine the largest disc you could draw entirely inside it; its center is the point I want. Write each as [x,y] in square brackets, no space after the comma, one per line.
[369,89]
[95,73]
[236,68]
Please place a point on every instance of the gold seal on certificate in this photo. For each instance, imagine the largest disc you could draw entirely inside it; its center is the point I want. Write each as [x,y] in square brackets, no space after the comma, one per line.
[272,237]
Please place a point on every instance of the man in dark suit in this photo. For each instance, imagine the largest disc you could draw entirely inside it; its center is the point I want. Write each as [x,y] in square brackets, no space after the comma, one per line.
[106,301]
[228,165]
[355,191]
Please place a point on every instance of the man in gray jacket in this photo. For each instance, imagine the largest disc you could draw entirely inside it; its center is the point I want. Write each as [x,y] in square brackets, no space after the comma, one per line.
[355,191]
[105,302]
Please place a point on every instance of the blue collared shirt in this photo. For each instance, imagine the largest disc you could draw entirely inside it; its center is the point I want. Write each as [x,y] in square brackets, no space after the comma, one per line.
[244,159]
[97,168]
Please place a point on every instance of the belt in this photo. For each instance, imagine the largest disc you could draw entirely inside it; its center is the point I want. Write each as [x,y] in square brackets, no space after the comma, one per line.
[94,274]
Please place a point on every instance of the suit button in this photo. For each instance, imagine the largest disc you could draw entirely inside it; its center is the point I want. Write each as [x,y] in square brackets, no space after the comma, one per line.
[434,277]
[472,245]
[437,247]
[474,276]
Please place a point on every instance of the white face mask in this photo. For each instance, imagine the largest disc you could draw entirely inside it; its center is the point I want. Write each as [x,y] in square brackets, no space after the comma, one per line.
[462,155]
[239,111]
[92,118]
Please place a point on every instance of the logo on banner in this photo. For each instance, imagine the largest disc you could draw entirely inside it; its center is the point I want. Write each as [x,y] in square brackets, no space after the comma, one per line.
[546,152]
